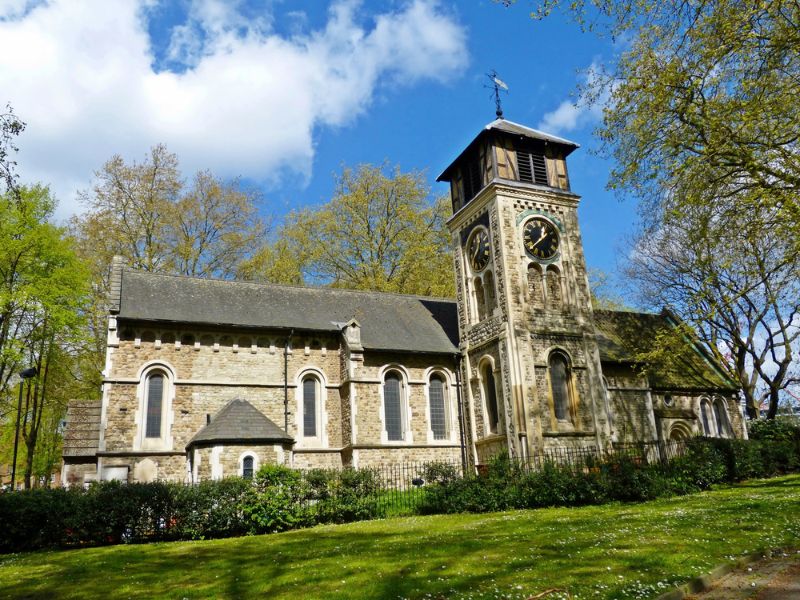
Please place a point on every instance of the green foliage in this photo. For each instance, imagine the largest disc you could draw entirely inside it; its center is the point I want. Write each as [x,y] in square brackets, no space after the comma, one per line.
[343,496]
[380,232]
[277,500]
[43,298]
[776,430]
[439,472]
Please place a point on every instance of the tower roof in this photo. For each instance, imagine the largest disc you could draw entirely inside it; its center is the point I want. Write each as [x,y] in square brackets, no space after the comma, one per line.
[509,128]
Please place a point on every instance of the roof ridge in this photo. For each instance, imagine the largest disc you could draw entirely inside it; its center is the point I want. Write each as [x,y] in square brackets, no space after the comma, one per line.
[286,285]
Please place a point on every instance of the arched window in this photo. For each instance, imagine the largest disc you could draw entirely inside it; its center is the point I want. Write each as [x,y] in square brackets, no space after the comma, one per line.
[490,398]
[560,385]
[705,416]
[535,285]
[480,300]
[247,467]
[488,290]
[393,407]
[438,407]
[154,401]
[553,279]
[310,406]
[721,418]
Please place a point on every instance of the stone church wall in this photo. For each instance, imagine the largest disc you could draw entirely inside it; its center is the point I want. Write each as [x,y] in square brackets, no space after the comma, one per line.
[209,368]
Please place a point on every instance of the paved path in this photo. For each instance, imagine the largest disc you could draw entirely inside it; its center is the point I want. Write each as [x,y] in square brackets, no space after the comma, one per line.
[776,578]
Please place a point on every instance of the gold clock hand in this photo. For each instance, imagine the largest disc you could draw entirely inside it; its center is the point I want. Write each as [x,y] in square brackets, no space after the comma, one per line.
[541,237]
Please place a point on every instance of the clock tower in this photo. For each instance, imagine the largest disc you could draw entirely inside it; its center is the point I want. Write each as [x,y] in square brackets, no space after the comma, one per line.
[530,357]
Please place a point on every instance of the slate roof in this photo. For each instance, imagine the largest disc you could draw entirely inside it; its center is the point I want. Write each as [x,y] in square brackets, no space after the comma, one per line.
[622,336]
[82,431]
[239,421]
[512,128]
[388,321]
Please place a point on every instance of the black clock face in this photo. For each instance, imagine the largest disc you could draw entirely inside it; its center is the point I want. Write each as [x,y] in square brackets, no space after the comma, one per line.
[478,250]
[540,238]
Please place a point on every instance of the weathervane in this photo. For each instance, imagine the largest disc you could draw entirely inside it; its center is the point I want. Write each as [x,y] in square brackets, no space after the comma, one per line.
[496,85]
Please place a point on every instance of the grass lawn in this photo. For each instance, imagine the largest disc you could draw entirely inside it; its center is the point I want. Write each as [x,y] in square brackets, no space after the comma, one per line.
[611,551]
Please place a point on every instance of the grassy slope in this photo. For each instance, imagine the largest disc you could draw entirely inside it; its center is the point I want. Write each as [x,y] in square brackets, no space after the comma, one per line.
[612,551]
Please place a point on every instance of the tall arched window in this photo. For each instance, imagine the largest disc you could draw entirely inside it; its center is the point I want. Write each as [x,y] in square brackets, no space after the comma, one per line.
[247,467]
[155,404]
[490,398]
[560,385]
[721,418]
[310,406]
[438,407]
[705,416]
[392,407]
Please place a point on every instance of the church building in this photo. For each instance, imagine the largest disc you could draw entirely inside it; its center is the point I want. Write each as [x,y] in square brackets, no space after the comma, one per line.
[207,379]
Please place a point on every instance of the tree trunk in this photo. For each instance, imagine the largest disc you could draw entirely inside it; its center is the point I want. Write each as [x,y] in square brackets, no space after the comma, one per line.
[773,403]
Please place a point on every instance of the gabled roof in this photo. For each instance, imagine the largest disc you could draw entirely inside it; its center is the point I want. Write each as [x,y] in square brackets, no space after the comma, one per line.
[623,336]
[511,128]
[237,422]
[388,321]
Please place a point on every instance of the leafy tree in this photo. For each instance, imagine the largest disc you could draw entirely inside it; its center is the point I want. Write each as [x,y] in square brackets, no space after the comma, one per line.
[381,231]
[10,127]
[702,120]
[736,281]
[43,288]
[147,214]
[701,86]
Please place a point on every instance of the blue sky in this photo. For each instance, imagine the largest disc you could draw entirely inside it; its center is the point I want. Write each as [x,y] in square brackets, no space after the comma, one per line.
[283,93]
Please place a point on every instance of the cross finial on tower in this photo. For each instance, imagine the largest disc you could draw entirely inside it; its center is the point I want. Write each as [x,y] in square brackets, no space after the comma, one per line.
[496,85]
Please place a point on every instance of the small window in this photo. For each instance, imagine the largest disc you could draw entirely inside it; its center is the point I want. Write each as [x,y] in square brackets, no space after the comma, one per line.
[438,411]
[310,404]
[490,398]
[392,407]
[247,467]
[560,385]
[155,404]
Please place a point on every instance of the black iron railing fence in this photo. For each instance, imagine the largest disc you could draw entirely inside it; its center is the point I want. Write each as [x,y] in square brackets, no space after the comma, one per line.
[395,489]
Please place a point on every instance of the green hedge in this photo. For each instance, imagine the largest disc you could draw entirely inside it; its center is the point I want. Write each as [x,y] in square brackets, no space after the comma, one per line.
[279,498]
[707,461]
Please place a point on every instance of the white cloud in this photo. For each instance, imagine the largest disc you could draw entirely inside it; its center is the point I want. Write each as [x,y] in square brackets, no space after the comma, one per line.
[246,101]
[576,113]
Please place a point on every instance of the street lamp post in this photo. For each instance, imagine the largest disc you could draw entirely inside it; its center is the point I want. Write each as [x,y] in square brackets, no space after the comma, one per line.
[26,374]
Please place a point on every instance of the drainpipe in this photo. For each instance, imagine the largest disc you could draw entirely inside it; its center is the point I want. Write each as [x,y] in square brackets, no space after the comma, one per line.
[286,382]
[460,415]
